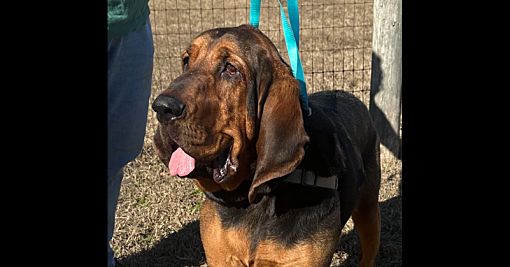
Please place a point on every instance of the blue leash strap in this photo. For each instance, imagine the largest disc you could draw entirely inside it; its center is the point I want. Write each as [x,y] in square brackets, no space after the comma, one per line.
[291,34]
[293,9]
[254,13]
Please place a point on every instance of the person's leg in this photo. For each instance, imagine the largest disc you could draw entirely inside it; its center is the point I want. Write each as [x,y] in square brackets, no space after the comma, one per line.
[130,62]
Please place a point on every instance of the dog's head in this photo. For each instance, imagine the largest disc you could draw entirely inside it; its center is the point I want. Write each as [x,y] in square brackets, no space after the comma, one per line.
[233,114]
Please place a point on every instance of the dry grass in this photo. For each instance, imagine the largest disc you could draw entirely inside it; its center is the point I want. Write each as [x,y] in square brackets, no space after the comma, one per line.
[157,214]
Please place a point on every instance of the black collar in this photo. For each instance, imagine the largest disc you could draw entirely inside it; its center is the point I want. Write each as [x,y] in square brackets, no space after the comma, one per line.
[239,197]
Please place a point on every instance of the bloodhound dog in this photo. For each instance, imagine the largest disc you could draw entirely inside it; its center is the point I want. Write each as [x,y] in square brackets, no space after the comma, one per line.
[279,184]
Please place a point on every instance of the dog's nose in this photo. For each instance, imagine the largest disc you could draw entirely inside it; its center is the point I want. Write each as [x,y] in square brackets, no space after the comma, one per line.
[167,107]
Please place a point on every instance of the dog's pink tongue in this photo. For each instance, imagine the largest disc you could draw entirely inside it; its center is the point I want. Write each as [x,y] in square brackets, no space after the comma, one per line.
[181,163]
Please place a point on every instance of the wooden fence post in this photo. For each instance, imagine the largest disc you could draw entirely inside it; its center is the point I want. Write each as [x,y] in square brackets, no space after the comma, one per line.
[386,80]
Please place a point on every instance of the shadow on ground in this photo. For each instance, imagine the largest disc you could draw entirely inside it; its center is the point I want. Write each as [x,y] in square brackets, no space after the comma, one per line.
[390,251]
[182,248]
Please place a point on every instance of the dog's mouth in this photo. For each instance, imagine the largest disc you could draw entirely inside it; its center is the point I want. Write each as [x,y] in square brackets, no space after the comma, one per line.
[221,165]
[183,165]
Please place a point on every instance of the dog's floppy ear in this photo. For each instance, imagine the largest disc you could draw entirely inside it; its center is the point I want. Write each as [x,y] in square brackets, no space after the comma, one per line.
[281,136]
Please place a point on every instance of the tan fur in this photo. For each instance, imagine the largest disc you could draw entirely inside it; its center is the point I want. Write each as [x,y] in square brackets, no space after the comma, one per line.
[230,247]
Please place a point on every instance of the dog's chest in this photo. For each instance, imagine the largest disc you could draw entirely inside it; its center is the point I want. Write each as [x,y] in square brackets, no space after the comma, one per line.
[235,246]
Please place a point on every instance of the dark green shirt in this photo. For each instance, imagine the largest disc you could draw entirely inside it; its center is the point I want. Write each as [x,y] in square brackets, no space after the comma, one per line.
[125,16]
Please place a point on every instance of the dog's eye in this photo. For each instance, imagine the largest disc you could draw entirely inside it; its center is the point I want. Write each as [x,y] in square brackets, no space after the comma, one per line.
[185,61]
[230,70]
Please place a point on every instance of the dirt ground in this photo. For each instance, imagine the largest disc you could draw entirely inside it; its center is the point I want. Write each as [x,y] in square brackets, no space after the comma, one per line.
[156,220]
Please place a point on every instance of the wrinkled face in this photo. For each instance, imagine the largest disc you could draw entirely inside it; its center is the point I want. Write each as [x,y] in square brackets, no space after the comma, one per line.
[209,117]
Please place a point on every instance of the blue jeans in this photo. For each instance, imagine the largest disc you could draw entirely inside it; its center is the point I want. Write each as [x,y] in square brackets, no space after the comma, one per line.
[130,62]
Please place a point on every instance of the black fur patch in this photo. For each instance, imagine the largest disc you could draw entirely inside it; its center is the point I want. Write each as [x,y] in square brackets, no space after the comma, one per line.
[289,214]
